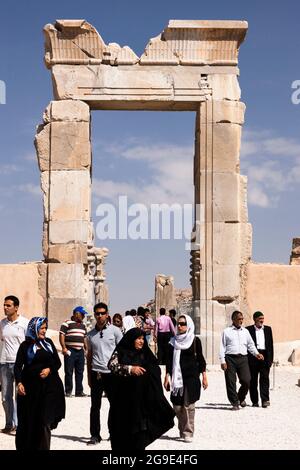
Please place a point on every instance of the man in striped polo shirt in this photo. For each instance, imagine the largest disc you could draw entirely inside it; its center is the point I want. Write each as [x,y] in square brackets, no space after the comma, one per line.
[73,340]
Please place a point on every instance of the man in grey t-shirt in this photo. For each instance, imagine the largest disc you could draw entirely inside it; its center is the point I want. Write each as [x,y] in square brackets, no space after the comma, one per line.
[101,341]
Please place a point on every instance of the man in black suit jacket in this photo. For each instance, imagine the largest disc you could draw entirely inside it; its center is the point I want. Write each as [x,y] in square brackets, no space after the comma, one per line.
[263,339]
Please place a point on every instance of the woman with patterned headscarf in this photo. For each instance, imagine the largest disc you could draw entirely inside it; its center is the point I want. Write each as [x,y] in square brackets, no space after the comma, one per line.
[184,366]
[40,400]
[139,412]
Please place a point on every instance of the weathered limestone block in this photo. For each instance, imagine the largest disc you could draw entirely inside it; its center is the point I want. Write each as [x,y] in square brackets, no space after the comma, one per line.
[66,280]
[220,282]
[227,197]
[42,282]
[60,309]
[230,244]
[67,111]
[225,87]
[226,147]
[69,231]
[42,146]
[68,253]
[69,197]
[196,42]
[225,111]
[70,145]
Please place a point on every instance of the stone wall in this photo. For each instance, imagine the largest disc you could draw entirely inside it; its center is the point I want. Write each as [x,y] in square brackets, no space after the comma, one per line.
[274,290]
[25,281]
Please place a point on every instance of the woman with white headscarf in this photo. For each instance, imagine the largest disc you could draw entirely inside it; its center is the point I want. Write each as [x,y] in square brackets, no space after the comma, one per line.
[184,366]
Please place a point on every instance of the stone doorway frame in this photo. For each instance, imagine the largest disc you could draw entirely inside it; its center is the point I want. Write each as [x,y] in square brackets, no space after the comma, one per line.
[190,66]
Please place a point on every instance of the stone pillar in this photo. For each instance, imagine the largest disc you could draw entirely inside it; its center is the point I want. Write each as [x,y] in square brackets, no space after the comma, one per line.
[164,293]
[64,156]
[224,247]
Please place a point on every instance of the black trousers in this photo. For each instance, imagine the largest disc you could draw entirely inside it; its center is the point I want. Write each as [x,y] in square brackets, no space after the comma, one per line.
[162,347]
[237,365]
[261,370]
[99,383]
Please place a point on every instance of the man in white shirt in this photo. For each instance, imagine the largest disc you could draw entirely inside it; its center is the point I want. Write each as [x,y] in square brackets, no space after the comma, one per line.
[235,344]
[12,334]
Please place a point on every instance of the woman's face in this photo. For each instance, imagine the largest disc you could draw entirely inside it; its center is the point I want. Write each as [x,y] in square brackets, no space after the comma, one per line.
[42,331]
[181,325]
[139,342]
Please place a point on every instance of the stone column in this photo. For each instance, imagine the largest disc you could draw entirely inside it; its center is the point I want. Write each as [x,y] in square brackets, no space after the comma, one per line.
[164,293]
[64,156]
[225,235]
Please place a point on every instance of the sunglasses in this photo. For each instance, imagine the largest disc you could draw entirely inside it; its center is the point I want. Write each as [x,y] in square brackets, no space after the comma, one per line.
[181,323]
[100,313]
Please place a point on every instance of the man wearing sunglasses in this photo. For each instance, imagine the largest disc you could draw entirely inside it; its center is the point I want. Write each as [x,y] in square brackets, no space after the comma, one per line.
[102,341]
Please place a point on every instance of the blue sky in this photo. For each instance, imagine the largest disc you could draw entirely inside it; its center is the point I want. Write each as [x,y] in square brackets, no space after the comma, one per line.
[269,63]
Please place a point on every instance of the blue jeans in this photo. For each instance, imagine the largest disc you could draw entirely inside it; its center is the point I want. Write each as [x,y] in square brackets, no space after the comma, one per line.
[74,361]
[7,392]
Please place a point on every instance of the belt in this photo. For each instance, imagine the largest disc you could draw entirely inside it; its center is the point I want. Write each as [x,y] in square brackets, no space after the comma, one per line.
[236,355]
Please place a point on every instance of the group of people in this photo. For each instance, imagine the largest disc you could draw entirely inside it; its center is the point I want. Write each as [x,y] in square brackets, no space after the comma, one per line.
[121,365]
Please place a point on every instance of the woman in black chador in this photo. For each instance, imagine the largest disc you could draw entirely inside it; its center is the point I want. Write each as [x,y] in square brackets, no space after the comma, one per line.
[139,412]
[40,400]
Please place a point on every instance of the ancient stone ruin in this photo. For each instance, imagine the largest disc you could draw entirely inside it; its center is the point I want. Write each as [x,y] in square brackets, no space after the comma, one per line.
[190,66]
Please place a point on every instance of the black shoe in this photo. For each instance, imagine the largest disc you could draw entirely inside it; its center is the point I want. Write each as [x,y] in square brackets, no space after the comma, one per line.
[256,405]
[8,429]
[80,394]
[235,407]
[68,395]
[243,404]
[93,441]
[265,404]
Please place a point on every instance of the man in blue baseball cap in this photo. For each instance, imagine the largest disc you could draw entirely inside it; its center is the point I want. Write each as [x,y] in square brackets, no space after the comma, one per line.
[73,340]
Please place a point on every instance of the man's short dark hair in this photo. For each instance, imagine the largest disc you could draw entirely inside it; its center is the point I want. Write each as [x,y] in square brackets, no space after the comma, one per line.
[133,312]
[235,314]
[140,311]
[14,299]
[172,312]
[162,311]
[101,305]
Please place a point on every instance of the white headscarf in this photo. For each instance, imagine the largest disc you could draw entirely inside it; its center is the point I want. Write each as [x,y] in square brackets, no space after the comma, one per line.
[180,342]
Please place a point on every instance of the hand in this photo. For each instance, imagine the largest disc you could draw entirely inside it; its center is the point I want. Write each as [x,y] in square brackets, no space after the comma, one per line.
[137,370]
[260,357]
[224,366]
[167,384]
[21,389]
[44,373]
[154,339]
[204,382]
[64,351]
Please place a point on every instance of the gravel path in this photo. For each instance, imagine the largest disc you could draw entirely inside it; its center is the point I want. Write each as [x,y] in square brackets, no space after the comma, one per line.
[216,426]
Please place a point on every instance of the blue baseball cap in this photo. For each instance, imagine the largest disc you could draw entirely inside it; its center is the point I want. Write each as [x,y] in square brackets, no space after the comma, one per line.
[80,310]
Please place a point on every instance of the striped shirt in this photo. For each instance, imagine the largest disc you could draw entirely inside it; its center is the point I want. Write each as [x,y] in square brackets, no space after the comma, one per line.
[74,333]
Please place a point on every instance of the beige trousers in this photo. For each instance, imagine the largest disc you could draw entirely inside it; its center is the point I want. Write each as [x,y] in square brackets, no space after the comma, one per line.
[186,418]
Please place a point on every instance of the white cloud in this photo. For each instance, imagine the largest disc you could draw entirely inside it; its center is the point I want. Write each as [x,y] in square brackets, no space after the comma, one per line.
[30,188]
[257,197]
[168,176]
[274,166]
[7,169]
